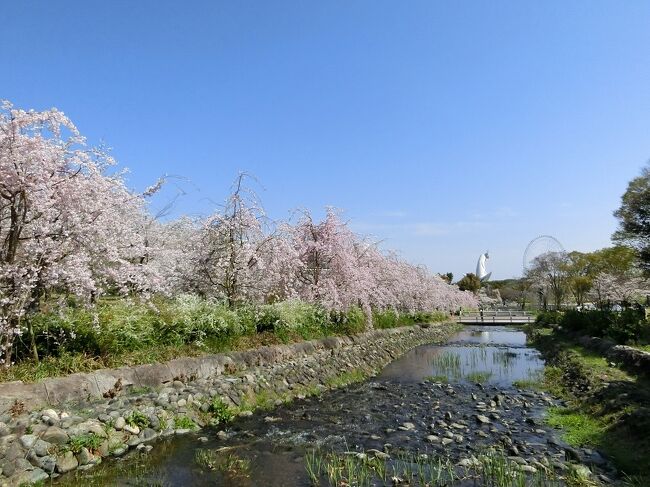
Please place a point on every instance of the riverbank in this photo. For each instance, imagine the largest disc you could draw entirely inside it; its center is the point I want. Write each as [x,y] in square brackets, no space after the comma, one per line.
[128,408]
[607,402]
[428,419]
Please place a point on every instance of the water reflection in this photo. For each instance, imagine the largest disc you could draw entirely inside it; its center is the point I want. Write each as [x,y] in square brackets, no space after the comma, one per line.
[479,354]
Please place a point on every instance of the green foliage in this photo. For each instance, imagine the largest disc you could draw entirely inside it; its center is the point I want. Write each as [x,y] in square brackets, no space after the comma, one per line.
[391,318]
[90,441]
[627,326]
[292,317]
[470,282]
[548,317]
[136,418]
[220,411]
[349,323]
[634,217]
[579,428]
[116,332]
[184,423]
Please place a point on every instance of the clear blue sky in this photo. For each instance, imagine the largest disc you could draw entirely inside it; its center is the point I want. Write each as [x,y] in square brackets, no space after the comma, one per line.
[443,128]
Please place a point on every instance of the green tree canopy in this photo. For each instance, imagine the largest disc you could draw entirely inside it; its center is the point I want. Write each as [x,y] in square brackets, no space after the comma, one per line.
[634,217]
[470,282]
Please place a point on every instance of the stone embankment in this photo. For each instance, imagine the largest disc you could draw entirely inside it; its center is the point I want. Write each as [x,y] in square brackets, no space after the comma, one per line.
[630,357]
[61,424]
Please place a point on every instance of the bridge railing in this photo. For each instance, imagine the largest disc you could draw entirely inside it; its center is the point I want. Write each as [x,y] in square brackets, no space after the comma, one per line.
[496,316]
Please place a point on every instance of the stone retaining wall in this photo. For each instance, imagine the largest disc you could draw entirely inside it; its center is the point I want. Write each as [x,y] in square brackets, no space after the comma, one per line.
[632,358]
[105,413]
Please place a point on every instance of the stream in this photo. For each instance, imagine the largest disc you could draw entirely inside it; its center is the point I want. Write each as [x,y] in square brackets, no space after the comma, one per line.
[450,402]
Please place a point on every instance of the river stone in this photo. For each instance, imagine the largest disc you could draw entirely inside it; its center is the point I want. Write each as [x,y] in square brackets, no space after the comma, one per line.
[134,430]
[66,462]
[30,477]
[51,413]
[118,452]
[433,439]
[120,423]
[447,441]
[84,456]
[482,419]
[407,426]
[47,463]
[28,441]
[4,429]
[55,435]
[527,468]
[41,448]
[86,427]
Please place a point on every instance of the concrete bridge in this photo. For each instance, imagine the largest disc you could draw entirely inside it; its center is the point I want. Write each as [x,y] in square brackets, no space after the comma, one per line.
[495,317]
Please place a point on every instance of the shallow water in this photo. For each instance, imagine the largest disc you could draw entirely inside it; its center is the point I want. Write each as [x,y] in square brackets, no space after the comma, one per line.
[268,448]
[492,355]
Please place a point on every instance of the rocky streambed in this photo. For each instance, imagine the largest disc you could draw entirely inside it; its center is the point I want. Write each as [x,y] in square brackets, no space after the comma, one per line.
[448,414]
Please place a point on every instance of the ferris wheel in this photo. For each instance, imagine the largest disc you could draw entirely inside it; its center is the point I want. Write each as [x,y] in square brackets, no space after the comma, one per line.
[541,245]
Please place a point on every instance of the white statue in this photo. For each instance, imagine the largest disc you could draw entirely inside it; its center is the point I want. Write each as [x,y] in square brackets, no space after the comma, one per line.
[481,272]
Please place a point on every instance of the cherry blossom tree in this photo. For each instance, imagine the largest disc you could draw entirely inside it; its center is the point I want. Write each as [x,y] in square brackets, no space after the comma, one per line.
[66,222]
[619,288]
[229,256]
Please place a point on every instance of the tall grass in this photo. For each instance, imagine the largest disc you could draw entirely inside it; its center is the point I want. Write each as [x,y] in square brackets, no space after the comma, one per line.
[114,332]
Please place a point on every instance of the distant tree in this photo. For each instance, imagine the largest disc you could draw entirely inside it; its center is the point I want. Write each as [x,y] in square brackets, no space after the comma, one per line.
[549,274]
[470,282]
[448,277]
[634,217]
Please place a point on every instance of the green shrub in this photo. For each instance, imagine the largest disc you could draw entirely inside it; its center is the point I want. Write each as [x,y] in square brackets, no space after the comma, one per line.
[191,319]
[627,326]
[184,423]
[348,322]
[220,411]
[548,317]
[136,418]
[91,441]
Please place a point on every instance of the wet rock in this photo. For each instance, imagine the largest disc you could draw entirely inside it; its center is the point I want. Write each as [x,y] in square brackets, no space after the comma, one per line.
[407,426]
[433,439]
[482,419]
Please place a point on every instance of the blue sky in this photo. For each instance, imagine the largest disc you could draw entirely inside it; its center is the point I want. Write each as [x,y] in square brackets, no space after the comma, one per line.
[441,128]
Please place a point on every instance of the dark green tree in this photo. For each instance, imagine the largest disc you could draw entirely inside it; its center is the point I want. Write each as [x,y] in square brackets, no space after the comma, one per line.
[634,218]
[470,282]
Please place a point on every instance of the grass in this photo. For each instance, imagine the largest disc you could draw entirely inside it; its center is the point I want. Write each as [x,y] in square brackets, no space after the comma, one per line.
[119,333]
[579,429]
[184,423]
[479,376]
[136,418]
[90,441]
[607,407]
[363,469]
[437,379]
[346,378]
[220,411]
[228,464]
